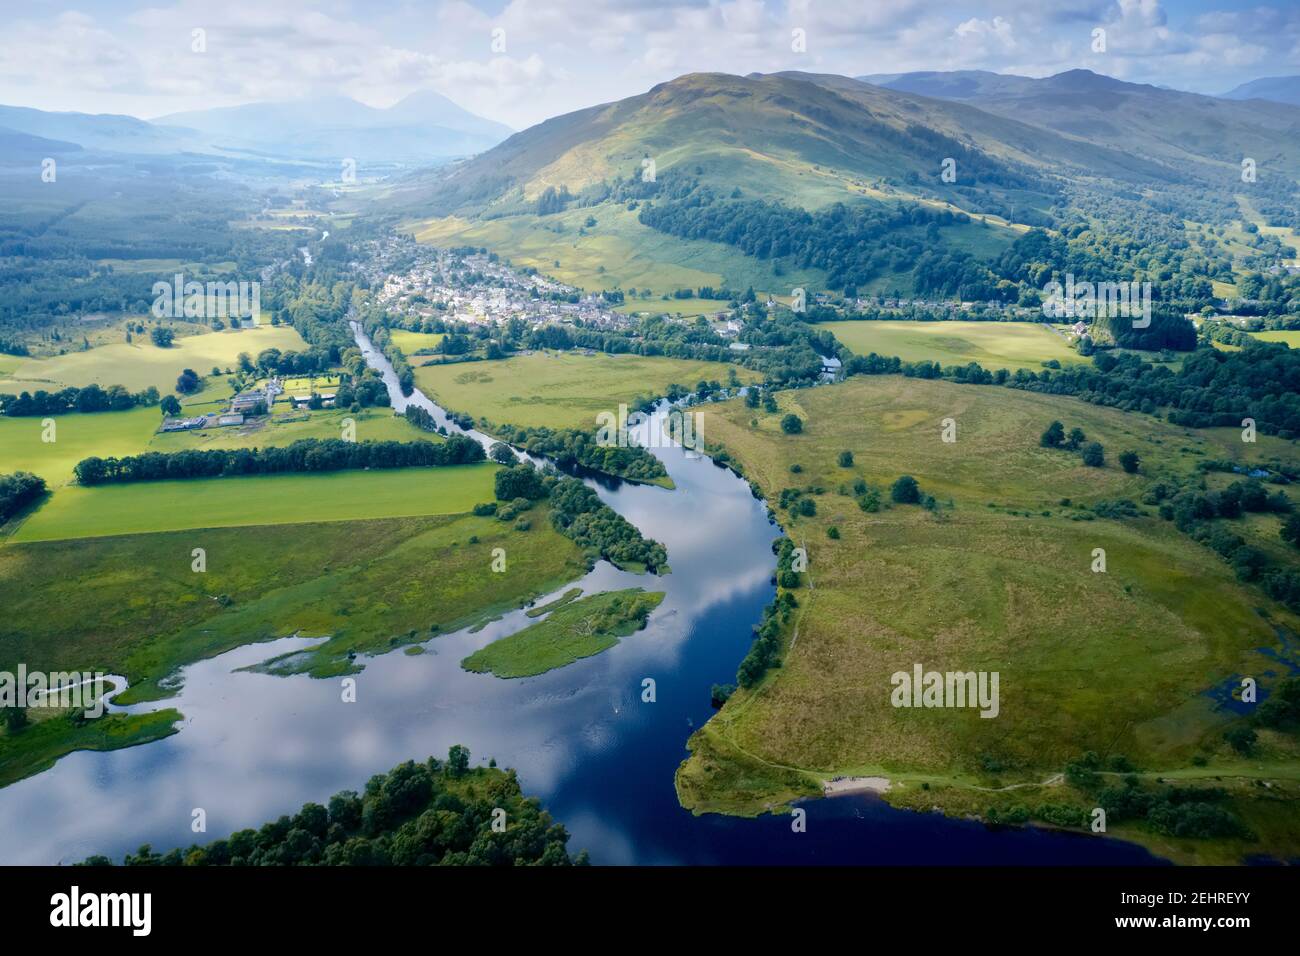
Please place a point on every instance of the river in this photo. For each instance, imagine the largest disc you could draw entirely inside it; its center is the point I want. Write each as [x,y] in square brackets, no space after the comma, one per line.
[254,746]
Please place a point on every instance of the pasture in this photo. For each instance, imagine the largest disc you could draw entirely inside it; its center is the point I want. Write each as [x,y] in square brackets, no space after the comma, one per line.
[560,389]
[139,364]
[412,342]
[998,578]
[993,345]
[617,252]
[147,507]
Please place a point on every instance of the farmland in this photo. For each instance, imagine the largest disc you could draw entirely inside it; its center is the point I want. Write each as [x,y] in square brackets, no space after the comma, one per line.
[617,252]
[559,389]
[998,578]
[994,345]
[413,342]
[76,512]
[140,364]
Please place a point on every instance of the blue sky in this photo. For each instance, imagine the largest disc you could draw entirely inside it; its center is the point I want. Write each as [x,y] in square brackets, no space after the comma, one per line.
[560,55]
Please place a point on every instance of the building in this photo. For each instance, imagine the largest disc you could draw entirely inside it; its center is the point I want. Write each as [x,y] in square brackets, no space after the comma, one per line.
[183,424]
[248,403]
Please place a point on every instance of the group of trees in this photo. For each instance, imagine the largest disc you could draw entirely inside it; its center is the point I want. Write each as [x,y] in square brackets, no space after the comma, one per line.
[1093,454]
[17,491]
[436,813]
[578,513]
[306,455]
[568,447]
[91,398]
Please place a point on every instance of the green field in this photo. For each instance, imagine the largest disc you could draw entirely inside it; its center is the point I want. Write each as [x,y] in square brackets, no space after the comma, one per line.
[145,507]
[412,342]
[1290,336]
[560,389]
[369,585]
[570,632]
[372,424]
[998,580]
[76,436]
[141,364]
[618,252]
[993,345]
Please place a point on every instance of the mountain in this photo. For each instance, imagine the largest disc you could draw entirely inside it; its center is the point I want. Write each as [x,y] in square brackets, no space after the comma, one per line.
[1183,131]
[805,139]
[423,126]
[102,131]
[24,147]
[952,85]
[1279,89]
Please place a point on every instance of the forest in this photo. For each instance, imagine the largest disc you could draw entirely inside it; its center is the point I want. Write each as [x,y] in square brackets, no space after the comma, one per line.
[435,813]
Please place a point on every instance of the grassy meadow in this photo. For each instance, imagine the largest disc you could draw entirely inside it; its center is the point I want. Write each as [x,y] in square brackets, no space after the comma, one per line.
[998,579]
[993,345]
[152,506]
[560,389]
[370,585]
[139,364]
[617,252]
[571,631]
[412,342]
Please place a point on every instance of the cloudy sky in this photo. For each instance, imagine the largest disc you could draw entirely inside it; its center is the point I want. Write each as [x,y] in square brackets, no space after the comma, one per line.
[551,56]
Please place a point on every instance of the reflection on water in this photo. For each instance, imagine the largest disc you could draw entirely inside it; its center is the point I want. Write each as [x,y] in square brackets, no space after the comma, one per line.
[254,746]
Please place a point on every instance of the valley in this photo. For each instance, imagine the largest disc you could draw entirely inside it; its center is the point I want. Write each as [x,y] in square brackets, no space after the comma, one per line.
[385,516]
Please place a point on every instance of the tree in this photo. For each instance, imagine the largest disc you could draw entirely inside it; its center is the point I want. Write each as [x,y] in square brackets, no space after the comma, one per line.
[1242,739]
[162,337]
[1129,461]
[457,760]
[846,459]
[1076,439]
[1291,530]
[188,382]
[15,720]
[170,406]
[792,424]
[905,491]
[1054,437]
[1094,456]
[501,452]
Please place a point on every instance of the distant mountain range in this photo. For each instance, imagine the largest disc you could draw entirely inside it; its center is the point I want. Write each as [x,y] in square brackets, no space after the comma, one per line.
[423,127]
[1279,89]
[1184,130]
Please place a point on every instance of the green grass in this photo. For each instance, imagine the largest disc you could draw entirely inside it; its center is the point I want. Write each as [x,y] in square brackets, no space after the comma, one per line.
[145,507]
[560,389]
[141,364]
[412,342]
[1000,581]
[570,632]
[618,252]
[993,345]
[285,427]
[76,436]
[369,585]
[1290,336]
[40,744]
